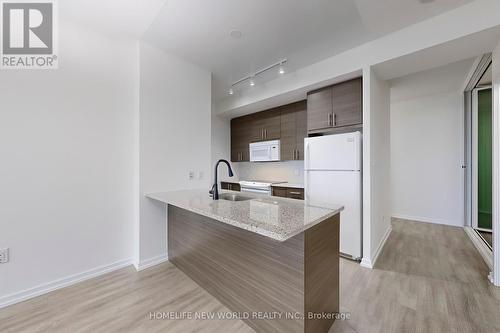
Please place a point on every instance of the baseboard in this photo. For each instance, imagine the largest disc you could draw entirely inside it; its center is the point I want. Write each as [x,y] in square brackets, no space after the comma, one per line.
[145,264]
[427,220]
[481,247]
[366,262]
[370,262]
[61,283]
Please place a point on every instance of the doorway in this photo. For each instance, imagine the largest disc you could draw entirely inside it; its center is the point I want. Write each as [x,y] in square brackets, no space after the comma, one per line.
[482,152]
[479,141]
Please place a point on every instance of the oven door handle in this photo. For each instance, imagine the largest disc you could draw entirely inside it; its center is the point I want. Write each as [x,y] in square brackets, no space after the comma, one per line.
[256,190]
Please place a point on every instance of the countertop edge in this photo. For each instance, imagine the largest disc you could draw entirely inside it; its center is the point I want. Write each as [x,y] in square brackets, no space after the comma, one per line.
[257,230]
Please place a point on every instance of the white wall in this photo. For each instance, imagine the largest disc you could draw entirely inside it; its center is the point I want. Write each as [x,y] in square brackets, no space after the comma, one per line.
[376,165]
[288,171]
[427,145]
[221,143]
[175,138]
[66,148]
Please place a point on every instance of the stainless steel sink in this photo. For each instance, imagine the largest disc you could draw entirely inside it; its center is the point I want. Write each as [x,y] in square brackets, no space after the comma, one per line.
[233,197]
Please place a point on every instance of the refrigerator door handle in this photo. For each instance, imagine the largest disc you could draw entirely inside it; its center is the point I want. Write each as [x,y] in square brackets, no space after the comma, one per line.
[306,157]
[306,187]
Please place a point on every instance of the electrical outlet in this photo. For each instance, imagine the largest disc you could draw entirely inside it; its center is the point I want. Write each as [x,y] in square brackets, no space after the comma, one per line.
[191,175]
[4,256]
[200,175]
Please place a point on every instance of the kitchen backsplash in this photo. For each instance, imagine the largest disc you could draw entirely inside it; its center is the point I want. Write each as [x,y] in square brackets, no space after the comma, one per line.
[291,171]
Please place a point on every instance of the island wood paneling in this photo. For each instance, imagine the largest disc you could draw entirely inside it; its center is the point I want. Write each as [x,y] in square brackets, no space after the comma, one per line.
[251,273]
[321,270]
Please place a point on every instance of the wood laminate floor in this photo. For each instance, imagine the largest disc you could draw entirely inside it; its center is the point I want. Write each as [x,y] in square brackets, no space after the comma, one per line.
[429,278]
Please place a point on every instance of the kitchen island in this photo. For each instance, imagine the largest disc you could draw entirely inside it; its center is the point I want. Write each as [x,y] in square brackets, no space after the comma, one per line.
[273,261]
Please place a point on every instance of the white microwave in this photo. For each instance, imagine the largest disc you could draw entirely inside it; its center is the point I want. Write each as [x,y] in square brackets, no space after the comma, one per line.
[266,151]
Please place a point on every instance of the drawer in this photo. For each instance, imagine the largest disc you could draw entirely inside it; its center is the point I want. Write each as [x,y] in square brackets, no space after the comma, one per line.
[295,193]
[230,186]
[288,192]
[279,192]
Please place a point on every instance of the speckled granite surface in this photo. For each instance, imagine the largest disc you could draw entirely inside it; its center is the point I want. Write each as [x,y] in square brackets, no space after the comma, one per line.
[290,185]
[277,218]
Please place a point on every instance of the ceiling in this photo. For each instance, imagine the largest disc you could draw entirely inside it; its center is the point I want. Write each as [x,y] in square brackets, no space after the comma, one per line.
[447,78]
[304,32]
[466,47]
[129,18]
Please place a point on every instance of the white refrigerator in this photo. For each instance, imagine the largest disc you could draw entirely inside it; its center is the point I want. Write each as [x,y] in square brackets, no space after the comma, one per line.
[333,176]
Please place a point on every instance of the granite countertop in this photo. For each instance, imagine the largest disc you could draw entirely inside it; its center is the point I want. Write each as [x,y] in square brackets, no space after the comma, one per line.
[277,218]
[290,185]
[234,181]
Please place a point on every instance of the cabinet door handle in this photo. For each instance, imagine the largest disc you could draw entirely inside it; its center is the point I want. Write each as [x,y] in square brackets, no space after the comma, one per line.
[329,120]
[333,119]
[295,193]
[298,154]
[265,132]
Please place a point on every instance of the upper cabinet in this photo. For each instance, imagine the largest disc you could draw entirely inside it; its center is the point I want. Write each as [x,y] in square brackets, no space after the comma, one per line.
[240,137]
[293,131]
[262,126]
[348,103]
[266,125]
[334,107]
[327,110]
[319,109]
[287,123]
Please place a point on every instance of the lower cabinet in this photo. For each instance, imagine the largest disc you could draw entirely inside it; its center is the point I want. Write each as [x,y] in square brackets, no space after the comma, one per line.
[288,192]
[230,186]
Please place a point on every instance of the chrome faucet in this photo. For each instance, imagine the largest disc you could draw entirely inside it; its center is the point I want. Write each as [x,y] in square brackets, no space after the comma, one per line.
[215,190]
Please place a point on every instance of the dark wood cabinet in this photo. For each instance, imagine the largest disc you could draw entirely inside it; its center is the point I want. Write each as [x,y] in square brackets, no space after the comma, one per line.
[240,137]
[271,124]
[230,186]
[301,128]
[288,192]
[293,131]
[295,193]
[265,125]
[348,103]
[287,123]
[319,109]
[337,106]
[332,109]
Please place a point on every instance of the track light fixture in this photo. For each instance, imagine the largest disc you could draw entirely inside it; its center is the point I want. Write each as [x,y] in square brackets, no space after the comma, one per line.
[251,78]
